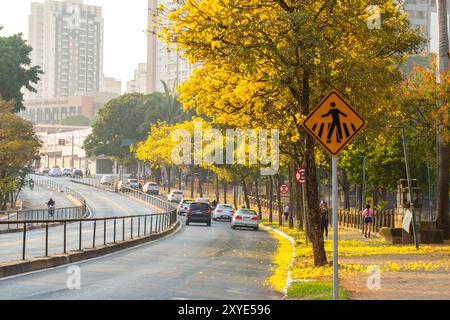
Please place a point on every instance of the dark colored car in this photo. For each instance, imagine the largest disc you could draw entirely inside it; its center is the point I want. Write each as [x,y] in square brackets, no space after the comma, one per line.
[77,173]
[199,212]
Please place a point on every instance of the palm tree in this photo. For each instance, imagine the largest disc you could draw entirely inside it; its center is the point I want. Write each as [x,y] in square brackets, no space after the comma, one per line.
[443,149]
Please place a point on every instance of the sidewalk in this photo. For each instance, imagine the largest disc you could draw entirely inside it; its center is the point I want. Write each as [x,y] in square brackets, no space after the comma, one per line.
[405,273]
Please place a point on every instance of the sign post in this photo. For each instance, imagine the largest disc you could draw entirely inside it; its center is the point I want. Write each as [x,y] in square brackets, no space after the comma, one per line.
[334,124]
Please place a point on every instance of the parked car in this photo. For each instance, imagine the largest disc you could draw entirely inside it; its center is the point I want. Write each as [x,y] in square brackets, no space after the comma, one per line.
[245,218]
[132,184]
[107,180]
[67,172]
[223,212]
[184,206]
[151,188]
[199,212]
[77,173]
[45,171]
[55,172]
[202,200]
[175,196]
[123,186]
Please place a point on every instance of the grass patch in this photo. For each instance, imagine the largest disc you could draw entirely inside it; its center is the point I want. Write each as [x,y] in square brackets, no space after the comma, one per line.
[314,290]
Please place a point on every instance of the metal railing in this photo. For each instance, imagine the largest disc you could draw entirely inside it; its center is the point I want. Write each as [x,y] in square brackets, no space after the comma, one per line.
[117,228]
[53,185]
[136,194]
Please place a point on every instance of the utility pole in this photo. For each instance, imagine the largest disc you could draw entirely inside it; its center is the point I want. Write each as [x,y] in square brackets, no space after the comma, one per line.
[72,162]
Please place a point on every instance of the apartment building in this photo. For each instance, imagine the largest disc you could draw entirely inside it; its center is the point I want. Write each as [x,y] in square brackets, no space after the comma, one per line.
[67,37]
[139,83]
[163,63]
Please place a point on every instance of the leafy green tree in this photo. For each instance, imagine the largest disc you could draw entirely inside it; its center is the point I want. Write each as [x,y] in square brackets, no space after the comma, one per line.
[16,71]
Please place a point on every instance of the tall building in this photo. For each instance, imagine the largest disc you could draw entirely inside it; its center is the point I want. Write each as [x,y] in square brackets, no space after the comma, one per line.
[139,82]
[163,63]
[67,37]
[421,14]
[111,85]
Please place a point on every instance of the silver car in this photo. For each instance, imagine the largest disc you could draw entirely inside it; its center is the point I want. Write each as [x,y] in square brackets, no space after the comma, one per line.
[223,212]
[245,218]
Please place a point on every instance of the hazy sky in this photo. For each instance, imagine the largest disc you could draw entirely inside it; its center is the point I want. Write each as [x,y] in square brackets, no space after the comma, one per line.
[125,23]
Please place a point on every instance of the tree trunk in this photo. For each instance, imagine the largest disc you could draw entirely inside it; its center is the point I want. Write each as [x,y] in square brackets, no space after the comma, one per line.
[192,181]
[258,200]
[217,189]
[280,206]
[443,219]
[345,184]
[244,189]
[299,205]
[270,199]
[292,198]
[234,194]
[225,187]
[313,213]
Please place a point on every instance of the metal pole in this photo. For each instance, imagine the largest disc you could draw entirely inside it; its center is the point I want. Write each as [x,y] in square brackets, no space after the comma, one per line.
[72,161]
[24,240]
[363,184]
[335,232]
[408,176]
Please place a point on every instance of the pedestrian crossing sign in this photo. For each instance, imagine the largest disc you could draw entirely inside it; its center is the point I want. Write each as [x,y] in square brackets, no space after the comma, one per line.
[334,123]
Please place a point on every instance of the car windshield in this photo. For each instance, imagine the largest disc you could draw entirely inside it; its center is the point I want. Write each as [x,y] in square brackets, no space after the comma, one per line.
[225,207]
[246,211]
[199,206]
[133,181]
[187,201]
[178,193]
[152,184]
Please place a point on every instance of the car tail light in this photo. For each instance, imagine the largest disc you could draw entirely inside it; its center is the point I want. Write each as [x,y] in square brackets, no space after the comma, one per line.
[238,218]
[232,212]
[218,211]
[255,219]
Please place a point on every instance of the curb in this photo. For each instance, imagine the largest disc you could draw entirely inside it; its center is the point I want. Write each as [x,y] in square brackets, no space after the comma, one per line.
[294,255]
[16,268]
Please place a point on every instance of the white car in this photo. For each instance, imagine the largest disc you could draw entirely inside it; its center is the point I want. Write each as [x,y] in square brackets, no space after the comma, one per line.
[67,172]
[175,196]
[184,206]
[223,212]
[133,183]
[55,172]
[151,188]
[203,200]
[107,180]
[245,218]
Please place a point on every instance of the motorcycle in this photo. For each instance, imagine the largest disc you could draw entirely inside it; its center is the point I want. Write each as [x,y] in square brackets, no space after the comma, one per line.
[51,209]
[31,185]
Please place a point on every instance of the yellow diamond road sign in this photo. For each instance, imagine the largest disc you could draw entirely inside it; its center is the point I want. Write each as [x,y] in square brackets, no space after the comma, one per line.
[334,123]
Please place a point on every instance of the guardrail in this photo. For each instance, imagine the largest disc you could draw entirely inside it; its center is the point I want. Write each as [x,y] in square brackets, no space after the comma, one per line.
[144,225]
[139,195]
[50,183]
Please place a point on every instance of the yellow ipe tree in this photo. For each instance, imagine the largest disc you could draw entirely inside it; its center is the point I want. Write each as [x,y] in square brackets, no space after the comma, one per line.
[267,63]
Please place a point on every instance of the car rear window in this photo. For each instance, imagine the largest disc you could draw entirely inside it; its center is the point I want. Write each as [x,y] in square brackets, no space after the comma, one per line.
[152,184]
[199,206]
[249,212]
[178,193]
[226,207]
[133,181]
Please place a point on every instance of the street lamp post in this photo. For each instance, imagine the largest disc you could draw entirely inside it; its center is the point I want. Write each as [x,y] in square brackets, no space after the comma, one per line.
[408,177]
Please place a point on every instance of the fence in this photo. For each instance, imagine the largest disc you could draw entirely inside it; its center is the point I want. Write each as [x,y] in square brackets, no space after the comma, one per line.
[353,219]
[145,224]
[136,194]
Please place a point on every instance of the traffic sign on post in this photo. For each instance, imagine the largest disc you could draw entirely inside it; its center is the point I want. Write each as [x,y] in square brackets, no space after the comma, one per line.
[284,188]
[334,123]
[300,176]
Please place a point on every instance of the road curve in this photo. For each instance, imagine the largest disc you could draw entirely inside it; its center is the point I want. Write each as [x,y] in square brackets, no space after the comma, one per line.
[196,263]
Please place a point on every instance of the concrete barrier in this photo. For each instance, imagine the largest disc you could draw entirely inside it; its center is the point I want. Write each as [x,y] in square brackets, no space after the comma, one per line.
[10,269]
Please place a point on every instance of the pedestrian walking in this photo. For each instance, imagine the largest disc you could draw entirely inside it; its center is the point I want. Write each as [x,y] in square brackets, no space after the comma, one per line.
[324,215]
[368,215]
[286,212]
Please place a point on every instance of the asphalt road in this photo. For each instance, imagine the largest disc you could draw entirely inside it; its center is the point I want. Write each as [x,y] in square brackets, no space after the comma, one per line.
[195,263]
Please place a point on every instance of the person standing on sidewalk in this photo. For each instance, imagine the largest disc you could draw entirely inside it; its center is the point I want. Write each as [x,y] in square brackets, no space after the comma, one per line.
[368,215]
[325,221]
